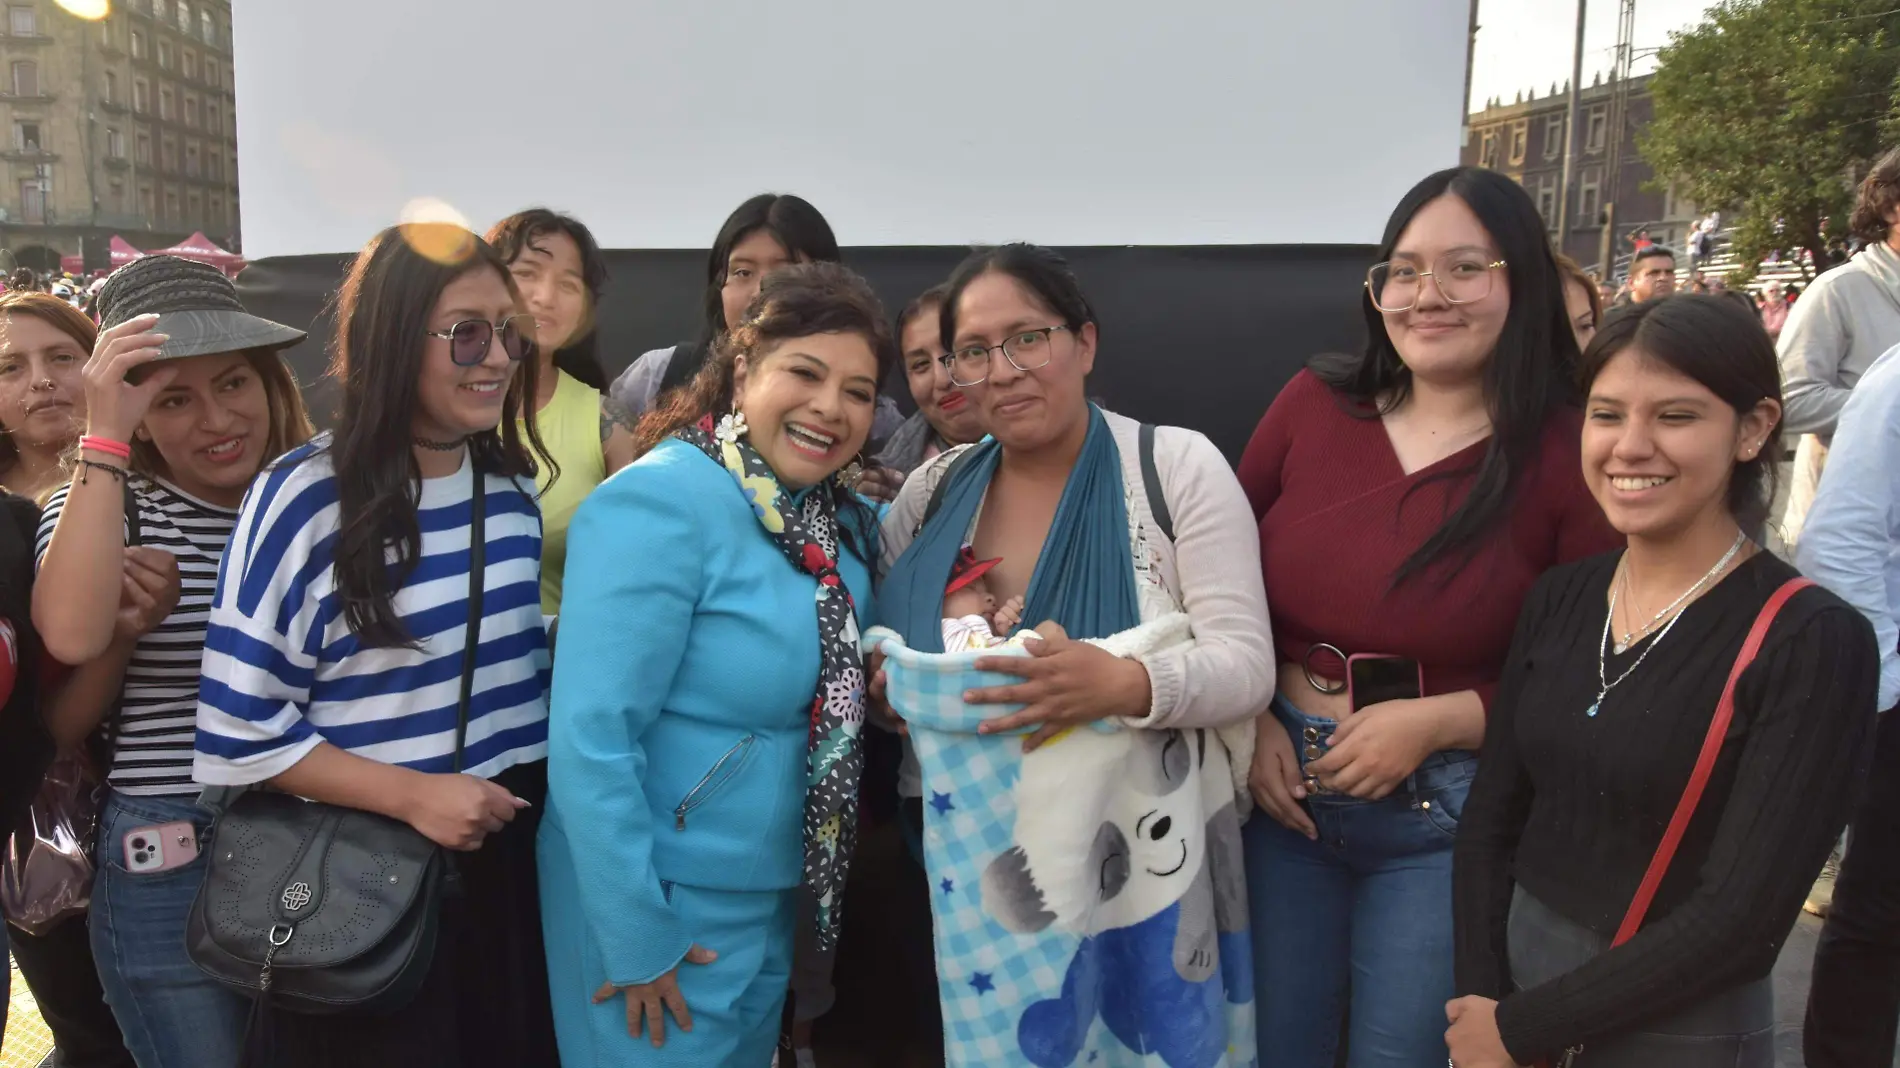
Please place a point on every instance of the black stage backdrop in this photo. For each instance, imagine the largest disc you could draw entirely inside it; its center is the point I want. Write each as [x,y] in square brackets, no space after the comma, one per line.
[1195,336]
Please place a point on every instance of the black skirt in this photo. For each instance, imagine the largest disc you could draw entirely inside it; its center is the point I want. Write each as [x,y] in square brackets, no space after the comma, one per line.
[485,1002]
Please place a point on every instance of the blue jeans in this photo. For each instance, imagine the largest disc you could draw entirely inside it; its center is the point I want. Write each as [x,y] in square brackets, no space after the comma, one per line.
[1366,910]
[172,1014]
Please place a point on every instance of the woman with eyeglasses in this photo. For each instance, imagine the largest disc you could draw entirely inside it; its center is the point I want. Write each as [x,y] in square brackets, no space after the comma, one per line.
[561,273]
[335,653]
[187,401]
[709,693]
[1072,500]
[1407,497]
[767,232]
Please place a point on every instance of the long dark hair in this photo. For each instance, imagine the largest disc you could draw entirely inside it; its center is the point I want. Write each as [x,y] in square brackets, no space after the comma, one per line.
[791,221]
[580,359]
[797,301]
[1716,342]
[1528,376]
[382,320]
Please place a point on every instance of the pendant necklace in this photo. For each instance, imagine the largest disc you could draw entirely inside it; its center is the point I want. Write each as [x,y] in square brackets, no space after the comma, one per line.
[1603,679]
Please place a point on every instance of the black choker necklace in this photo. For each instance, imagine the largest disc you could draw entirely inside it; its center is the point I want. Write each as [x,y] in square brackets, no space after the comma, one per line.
[440,446]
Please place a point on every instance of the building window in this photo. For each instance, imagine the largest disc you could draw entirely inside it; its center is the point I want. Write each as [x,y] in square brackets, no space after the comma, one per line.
[216,203]
[1553,137]
[1547,200]
[115,143]
[1520,137]
[116,198]
[23,22]
[188,64]
[26,137]
[192,117]
[143,150]
[167,103]
[32,200]
[195,207]
[1598,129]
[112,87]
[211,74]
[168,156]
[171,203]
[138,45]
[214,119]
[1589,196]
[184,17]
[141,96]
[214,166]
[26,78]
[191,160]
[147,207]
[165,54]
[207,28]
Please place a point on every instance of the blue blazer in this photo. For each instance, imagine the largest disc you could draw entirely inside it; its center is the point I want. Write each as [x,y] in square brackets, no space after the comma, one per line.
[683,684]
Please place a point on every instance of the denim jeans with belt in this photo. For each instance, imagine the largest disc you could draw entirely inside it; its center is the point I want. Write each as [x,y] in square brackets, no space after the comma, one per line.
[1364,912]
[172,1014]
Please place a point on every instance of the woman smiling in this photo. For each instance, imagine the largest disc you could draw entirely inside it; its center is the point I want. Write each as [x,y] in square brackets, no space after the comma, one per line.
[709,670]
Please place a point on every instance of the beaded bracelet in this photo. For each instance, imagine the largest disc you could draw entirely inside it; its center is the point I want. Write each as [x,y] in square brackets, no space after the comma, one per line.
[86,465]
[106,445]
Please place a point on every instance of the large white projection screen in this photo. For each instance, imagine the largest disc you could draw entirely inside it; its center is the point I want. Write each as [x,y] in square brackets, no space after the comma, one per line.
[1067,122]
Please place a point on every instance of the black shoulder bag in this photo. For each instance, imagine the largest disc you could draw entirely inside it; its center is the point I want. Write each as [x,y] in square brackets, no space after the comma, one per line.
[317,908]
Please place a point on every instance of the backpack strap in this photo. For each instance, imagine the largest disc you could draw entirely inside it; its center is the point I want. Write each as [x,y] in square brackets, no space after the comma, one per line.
[688,357]
[943,484]
[1151,482]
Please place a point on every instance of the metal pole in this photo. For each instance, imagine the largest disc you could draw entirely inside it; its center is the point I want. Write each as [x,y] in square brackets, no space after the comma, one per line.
[1471,49]
[1570,136]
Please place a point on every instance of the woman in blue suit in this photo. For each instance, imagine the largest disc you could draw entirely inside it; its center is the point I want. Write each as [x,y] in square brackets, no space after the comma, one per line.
[707,671]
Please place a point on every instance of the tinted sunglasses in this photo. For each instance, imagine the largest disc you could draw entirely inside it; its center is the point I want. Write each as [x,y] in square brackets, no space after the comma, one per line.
[469,339]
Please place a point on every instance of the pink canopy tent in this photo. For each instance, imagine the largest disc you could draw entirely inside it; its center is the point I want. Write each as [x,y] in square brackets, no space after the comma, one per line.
[122,254]
[199,247]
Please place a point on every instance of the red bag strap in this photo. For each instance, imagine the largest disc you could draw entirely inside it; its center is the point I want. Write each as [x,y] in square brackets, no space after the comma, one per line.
[1705,763]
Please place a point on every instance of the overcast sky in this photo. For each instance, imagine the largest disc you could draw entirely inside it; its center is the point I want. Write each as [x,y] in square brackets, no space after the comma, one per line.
[1526,43]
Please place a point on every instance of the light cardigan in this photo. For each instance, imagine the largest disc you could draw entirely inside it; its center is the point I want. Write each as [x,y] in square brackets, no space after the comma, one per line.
[1225,677]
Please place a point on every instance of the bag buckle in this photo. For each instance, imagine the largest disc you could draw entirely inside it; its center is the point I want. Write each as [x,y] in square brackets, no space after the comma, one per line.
[279,935]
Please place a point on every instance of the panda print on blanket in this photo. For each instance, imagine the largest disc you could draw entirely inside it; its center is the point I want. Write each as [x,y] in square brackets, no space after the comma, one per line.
[1130,840]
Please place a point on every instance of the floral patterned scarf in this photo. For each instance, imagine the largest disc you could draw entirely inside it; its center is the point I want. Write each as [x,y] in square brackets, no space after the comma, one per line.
[807,533]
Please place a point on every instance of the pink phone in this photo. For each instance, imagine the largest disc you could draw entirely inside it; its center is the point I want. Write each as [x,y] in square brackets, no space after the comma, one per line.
[160,848]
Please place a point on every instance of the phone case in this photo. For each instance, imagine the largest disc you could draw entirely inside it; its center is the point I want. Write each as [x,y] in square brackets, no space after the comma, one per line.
[160,848]
[1352,701]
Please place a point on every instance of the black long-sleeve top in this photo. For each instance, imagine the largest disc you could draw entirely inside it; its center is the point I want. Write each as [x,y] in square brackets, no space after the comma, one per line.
[1573,807]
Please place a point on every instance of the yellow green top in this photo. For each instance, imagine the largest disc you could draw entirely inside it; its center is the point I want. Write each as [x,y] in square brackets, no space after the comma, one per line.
[570,428]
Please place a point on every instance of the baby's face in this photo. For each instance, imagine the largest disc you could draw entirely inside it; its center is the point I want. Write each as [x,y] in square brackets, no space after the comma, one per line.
[972,600]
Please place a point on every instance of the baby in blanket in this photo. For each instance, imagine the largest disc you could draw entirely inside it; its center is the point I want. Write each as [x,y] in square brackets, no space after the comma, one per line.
[971,617]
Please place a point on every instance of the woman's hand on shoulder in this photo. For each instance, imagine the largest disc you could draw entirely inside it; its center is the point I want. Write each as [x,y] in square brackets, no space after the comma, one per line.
[1066,683]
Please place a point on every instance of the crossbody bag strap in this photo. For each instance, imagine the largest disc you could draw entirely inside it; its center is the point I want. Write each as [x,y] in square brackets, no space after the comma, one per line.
[109,730]
[477,560]
[1151,484]
[1705,763]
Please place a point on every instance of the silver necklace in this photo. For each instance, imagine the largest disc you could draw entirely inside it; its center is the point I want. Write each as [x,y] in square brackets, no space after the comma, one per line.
[1603,679]
[1629,638]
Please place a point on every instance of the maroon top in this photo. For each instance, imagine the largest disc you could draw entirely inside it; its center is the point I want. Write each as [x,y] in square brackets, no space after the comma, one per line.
[1336,523]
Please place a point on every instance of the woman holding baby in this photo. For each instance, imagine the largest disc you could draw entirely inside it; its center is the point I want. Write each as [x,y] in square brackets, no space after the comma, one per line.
[1074,541]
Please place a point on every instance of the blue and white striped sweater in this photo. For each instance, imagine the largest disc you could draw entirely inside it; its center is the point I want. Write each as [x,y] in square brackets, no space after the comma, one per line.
[282,670]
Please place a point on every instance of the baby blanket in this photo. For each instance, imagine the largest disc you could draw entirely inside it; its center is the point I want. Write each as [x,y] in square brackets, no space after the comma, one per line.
[1088,897]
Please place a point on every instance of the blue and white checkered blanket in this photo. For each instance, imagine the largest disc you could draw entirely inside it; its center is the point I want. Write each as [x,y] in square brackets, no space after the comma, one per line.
[1089,902]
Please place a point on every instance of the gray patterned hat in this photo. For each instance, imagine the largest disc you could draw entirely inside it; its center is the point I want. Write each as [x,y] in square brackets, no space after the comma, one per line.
[196,305]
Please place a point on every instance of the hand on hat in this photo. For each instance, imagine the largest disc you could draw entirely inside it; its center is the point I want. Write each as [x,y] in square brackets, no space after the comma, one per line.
[114,406]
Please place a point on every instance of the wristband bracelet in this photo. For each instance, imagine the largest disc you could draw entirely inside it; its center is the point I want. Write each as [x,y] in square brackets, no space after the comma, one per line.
[86,466]
[106,445]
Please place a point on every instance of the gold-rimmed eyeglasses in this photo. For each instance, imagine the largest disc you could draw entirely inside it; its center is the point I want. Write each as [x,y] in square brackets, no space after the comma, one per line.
[1462,277]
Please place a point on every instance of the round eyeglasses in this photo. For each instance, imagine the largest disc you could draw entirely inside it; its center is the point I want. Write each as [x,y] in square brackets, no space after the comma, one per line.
[469,339]
[1462,278]
[1026,350]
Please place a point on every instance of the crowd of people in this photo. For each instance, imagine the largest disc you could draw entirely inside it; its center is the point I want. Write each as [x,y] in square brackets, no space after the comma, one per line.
[1510,742]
